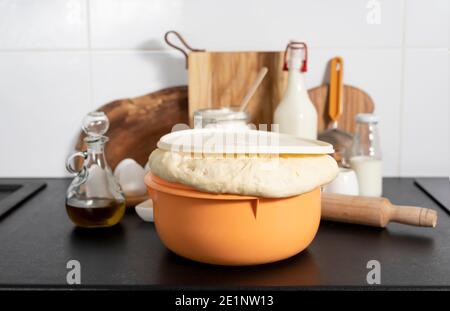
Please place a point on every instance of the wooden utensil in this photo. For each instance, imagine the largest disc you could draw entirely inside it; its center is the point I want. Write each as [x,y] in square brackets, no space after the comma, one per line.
[136,124]
[341,140]
[336,87]
[373,211]
[259,78]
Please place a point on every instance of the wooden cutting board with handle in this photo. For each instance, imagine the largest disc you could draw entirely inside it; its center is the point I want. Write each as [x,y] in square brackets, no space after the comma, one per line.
[221,79]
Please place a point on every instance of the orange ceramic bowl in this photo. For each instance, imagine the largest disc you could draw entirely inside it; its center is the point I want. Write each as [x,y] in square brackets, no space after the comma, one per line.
[232,229]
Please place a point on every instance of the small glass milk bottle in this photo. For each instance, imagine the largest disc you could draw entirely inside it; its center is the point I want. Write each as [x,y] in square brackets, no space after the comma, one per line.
[94,198]
[366,156]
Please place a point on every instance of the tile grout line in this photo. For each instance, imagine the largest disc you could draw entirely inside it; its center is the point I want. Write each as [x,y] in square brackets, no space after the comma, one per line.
[90,62]
[402,90]
[149,50]
[84,50]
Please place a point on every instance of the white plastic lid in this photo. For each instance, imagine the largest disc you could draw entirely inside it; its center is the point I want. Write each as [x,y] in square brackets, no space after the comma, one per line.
[210,140]
[366,118]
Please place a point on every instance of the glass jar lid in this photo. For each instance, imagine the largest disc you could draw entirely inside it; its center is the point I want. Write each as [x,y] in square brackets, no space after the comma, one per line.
[211,115]
[366,118]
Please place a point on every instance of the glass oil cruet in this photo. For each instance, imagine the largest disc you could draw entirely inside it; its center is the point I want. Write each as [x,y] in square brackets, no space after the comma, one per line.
[94,198]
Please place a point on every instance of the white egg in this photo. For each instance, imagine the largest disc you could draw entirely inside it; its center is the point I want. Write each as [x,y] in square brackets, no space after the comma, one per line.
[131,177]
[145,210]
[121,166]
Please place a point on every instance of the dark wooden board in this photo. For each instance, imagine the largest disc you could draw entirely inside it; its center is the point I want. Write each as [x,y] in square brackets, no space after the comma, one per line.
[136,124]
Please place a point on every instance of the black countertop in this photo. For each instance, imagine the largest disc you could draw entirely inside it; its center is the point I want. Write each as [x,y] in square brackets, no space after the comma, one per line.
[37,240]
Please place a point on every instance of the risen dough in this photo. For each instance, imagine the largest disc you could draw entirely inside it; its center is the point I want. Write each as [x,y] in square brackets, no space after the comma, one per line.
[272,177]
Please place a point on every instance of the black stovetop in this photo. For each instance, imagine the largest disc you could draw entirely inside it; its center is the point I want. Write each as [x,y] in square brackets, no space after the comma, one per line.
[37,240]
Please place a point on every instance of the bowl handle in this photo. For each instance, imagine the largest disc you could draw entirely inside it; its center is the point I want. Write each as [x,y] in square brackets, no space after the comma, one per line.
[255,204]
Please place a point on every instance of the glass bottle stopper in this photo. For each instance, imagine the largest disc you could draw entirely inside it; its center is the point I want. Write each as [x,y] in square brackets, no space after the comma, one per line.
[95,124]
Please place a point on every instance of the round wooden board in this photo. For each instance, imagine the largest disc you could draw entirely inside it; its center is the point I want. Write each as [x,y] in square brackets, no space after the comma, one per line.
[136,124]
[355,101]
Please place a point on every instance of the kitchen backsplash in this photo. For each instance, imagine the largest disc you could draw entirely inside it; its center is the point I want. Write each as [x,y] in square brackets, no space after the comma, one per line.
[60,59]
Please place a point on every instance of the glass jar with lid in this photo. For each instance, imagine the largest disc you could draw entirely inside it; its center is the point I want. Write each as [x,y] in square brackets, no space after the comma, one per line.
[366,157]
[225,118]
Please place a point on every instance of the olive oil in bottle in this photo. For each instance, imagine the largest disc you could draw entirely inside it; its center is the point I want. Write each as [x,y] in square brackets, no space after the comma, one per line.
[94,198]
[95,212]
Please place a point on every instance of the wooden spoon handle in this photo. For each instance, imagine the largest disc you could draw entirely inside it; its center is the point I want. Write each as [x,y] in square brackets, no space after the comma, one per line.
[259,78]
[336,89]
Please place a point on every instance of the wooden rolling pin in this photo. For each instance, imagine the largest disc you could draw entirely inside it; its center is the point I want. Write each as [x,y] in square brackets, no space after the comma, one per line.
[372,211]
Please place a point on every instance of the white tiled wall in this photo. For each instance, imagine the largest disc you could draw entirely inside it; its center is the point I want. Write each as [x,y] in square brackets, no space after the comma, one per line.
[60,59]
